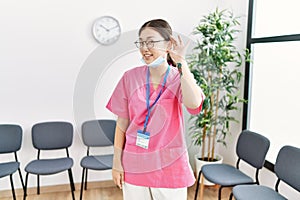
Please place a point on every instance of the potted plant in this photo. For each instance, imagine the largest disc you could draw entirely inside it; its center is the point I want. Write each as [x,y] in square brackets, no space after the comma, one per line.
[215,63]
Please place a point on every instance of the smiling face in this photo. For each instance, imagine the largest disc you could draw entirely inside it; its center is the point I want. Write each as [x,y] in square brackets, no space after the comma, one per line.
[148,37]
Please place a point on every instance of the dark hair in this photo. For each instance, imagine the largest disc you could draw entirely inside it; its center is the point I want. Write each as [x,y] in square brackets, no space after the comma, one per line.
[164,29]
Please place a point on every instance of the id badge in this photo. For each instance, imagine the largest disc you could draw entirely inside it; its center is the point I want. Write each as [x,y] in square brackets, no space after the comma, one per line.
[142,139]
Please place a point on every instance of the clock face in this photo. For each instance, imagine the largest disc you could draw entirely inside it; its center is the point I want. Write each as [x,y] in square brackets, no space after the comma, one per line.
[106,30]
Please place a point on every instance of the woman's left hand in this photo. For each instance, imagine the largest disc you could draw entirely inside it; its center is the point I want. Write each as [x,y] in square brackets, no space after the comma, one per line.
[178,48]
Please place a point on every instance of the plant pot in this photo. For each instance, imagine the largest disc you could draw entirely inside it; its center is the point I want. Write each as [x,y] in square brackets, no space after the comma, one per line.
[199,163]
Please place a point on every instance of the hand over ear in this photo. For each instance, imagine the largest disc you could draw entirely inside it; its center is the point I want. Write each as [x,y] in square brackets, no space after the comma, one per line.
[178,49]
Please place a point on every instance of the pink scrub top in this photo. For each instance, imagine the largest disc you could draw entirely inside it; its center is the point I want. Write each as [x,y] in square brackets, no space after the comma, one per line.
[165,164]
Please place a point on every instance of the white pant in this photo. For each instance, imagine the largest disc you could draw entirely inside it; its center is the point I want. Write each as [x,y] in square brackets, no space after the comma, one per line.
[133,192]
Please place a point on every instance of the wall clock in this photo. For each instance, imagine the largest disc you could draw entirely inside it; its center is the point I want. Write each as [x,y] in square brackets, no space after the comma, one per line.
[106,30]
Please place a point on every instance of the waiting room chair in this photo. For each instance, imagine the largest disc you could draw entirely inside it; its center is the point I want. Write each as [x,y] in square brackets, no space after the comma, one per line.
[51,136]
[286,168]
[96,133]
[252,149]
[10,142]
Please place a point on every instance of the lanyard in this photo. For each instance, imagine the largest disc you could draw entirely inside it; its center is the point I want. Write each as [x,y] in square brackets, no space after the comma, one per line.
[148,95]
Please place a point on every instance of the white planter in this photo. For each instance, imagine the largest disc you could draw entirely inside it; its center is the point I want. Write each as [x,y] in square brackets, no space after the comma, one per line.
[200,163]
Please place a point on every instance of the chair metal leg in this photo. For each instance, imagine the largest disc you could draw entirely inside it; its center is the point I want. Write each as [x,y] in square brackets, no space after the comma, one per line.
[220,191]
[12,186]
[25,187]
[21,178]
[71,183]
[71,179]
[82,183]
[231,195]
[86,176]
[38,184]
[197,187]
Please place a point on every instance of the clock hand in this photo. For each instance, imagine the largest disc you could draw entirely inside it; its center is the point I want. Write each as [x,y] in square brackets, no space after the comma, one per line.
[114,27]
[104,27]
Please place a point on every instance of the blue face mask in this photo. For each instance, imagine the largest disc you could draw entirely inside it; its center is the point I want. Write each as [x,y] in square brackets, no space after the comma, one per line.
[158,61]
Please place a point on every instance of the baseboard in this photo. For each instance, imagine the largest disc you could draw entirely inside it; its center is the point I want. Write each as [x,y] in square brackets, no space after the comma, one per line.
[57,188]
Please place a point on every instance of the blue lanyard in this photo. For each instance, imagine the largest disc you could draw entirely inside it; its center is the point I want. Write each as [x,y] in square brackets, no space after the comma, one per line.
[148,95]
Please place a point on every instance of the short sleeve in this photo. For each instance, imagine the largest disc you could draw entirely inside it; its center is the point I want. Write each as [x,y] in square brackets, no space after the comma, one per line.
[118,102]
[194,111]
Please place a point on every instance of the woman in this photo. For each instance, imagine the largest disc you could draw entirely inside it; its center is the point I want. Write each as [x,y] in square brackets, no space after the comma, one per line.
[150,157]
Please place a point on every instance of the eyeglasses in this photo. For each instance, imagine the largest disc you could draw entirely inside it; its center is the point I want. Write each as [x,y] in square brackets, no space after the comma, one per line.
[149,43]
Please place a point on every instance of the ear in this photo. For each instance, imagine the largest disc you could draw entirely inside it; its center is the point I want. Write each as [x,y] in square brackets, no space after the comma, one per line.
[169,46]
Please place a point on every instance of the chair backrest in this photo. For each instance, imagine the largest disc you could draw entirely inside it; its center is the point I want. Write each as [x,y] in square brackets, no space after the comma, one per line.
[52,135]
[252,148]
[10,138]
[97,133]
[287,166]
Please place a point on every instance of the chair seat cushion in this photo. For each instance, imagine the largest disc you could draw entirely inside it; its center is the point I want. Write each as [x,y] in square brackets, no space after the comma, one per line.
[100,162]
[224,174]
[49,166]
[257,192]
[8,168]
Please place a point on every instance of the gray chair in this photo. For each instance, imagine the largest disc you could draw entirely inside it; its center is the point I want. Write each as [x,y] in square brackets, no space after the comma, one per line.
[96,133]
[51,136]
[252,149]
[10,142]
[286,168]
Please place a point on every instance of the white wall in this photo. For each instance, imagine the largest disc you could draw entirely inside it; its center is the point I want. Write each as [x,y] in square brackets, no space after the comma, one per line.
[45,43]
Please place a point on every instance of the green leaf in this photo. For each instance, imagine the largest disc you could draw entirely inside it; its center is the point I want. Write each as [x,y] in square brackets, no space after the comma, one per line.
[215,63]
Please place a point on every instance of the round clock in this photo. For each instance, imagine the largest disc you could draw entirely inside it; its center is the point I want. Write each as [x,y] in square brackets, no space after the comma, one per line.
[106,30]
